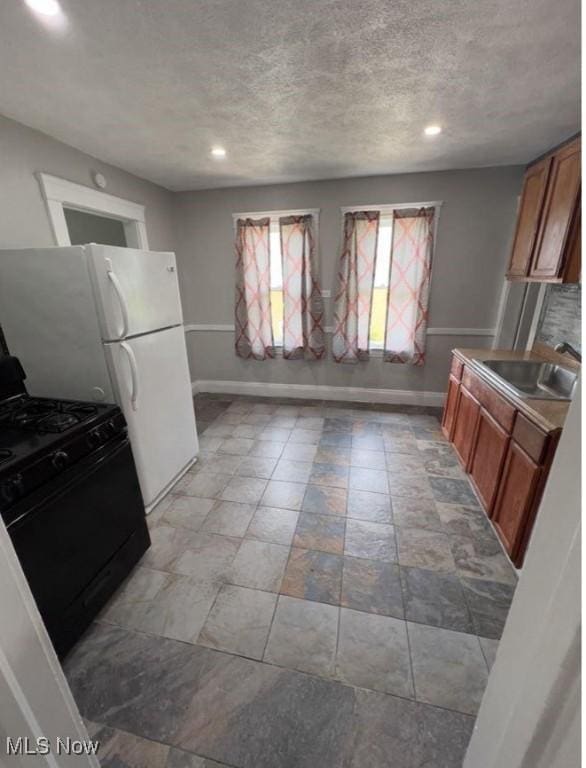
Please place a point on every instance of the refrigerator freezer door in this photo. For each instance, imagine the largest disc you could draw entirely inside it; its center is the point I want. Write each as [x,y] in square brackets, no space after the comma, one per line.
[154,390]
[49,321]
[136,291]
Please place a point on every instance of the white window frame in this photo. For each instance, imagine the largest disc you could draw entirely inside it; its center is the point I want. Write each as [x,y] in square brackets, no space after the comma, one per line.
[386,208]
[274,217]
[59,194]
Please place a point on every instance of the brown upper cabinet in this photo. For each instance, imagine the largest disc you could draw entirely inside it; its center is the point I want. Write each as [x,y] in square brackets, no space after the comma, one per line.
[546,246]
[532,197]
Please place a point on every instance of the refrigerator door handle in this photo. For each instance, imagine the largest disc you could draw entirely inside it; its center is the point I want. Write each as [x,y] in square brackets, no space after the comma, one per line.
[133,373]
[120,294]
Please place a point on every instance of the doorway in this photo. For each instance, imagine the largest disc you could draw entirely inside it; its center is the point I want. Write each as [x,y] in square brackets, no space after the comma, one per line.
[90,215]
[87,227]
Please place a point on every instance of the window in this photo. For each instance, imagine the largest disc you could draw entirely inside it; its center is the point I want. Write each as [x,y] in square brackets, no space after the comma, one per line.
[276,264]
[276,267]
[383,287]
[279,302]
[378,316]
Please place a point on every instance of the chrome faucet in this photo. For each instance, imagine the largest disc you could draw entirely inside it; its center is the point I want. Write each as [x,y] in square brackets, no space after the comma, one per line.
[565,347]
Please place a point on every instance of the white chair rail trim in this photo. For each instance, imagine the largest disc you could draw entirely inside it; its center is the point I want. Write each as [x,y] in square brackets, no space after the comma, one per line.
[227,328]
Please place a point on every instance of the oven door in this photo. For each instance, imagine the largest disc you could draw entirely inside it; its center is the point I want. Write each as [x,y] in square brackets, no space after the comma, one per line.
[67,536]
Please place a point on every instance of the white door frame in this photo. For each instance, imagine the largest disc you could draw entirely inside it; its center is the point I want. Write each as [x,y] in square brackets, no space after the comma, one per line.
[539,301]
[518,315]
[60,193]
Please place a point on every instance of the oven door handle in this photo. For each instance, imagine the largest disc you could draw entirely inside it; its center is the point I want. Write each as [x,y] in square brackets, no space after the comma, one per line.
[133,373]
[113,277]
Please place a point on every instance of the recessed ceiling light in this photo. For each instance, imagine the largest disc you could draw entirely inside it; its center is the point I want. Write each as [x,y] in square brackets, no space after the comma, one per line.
[44,7]
[218,152]
[432,130]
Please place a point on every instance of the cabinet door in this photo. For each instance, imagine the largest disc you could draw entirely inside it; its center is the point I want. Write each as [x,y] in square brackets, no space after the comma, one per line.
[516,496]
[490,448]
[572,269]
[450,407]
[559,211]
[532,197]
[467,412]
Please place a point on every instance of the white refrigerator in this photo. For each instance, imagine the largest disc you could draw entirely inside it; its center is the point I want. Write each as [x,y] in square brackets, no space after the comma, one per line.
[103,323]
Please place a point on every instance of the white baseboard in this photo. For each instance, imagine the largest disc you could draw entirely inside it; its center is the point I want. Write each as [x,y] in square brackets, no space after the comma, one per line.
[319,392]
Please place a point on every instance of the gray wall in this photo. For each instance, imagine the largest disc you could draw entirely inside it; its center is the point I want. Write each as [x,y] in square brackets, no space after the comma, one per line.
[23,217]
[560,318]
[474,235]
[473,241]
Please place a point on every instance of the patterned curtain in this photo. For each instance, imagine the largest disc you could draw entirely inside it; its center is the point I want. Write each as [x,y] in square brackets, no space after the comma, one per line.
[408,301]
[303,311]
[353,300]
[254,332]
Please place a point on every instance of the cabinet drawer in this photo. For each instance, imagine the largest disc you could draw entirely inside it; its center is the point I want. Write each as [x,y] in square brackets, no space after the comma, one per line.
[500,410]
[530,438]
[457,368]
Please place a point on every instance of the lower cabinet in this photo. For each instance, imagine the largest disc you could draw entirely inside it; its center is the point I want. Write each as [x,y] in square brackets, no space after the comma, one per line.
[505,453]
[449,418]
[467,411]
[487,459]
[515,500]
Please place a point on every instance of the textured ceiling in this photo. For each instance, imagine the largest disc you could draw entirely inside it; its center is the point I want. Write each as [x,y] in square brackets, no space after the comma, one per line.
[295,89]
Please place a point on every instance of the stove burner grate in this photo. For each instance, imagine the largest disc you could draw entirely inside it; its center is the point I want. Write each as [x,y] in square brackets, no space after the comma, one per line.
[46,415]
[30,413]
[57,422]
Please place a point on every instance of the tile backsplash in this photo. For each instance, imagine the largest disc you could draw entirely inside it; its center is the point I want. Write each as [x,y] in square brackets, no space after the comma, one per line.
[560,318]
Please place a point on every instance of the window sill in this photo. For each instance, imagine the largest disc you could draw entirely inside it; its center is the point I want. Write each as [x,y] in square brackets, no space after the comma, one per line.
[376,353]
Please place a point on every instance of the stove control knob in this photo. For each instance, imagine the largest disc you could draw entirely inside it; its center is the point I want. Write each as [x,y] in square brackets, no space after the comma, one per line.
[12,488]
[93,438]
[110,428]
[59,459]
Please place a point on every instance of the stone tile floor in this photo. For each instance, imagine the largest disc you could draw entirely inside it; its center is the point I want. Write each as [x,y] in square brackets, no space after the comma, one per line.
[322,590]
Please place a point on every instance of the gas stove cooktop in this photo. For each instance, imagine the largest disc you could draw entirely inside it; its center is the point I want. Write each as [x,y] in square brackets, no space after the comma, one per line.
[31,424]
[43,415]
[42,437]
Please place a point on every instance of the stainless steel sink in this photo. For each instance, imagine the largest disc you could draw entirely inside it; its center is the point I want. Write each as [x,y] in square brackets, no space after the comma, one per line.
[529,379]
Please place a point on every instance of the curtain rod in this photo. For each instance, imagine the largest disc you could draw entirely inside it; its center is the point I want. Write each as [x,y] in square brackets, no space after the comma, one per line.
[390,206]
[264,214]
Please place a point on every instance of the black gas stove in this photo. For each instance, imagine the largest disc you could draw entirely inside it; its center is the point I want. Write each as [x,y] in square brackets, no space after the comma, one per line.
[42,437]
[70,499]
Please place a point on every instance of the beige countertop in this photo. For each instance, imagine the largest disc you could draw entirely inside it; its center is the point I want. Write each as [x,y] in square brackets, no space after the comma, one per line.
[549,415]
